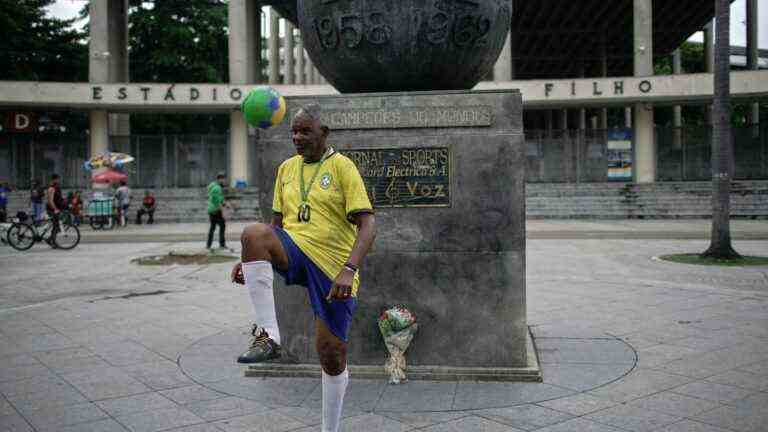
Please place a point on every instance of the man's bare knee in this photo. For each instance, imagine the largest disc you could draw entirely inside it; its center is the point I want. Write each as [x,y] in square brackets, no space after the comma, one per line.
[333,357]
[254,240]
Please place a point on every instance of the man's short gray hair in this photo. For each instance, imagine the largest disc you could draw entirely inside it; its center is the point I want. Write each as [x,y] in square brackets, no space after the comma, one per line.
[312,111]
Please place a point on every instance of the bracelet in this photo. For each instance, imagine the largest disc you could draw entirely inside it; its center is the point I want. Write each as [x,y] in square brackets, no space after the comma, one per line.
[351,267]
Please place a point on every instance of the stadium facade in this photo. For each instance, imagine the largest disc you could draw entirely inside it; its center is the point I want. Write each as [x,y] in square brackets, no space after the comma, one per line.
[586,70]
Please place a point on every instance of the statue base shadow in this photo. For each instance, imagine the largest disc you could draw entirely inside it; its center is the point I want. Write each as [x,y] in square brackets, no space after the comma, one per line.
[445,172]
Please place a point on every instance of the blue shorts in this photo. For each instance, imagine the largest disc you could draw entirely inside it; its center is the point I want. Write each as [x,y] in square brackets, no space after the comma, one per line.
[336,314]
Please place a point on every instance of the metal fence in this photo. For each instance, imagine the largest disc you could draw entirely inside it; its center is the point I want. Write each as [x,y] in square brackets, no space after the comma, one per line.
[165,161]
[162,161]
[684,154]
[24,157]
[557,156]
[567,156]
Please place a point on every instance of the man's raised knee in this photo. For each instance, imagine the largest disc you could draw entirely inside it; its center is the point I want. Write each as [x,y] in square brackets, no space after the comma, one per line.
[254,241]
[253,233]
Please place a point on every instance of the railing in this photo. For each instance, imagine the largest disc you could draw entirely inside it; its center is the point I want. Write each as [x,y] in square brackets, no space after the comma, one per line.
[166,161]
[685,154]
[556,156]
[576,156]
[162,161]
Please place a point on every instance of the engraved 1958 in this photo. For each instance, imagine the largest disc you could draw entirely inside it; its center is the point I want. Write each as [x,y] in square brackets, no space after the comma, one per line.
[455,22]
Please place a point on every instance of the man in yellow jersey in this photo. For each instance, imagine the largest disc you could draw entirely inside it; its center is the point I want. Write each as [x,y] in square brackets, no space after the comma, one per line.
[322,228]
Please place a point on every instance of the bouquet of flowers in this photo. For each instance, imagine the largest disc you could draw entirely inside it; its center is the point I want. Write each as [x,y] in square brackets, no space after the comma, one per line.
[398,326]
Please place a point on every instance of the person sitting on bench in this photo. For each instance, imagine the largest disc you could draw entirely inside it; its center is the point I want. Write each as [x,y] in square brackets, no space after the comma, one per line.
[147,207]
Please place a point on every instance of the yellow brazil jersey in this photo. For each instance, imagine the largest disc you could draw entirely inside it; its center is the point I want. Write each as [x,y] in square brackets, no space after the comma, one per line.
[337,193]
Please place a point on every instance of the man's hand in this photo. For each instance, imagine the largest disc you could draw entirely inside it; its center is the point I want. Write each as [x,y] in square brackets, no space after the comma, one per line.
[342,286]
[237,274]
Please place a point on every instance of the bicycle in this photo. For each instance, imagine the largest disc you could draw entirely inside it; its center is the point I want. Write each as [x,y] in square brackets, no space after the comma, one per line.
[4,227]
[23,235]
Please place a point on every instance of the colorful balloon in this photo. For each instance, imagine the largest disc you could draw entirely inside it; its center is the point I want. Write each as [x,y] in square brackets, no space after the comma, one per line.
[263,107]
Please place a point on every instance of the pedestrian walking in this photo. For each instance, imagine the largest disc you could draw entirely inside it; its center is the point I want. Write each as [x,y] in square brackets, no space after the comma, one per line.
[215,210]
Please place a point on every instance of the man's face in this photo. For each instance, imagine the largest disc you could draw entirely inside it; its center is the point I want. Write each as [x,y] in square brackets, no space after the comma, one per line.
[56,181]
[222,181]
[308,137]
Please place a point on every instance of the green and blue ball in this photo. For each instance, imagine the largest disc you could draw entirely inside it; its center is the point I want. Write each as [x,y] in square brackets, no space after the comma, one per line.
[263,107]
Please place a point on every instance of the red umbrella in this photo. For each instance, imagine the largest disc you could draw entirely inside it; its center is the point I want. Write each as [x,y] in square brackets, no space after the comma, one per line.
[109,176]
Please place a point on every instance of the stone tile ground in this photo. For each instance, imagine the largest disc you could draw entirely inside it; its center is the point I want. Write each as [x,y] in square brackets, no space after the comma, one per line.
[692,356]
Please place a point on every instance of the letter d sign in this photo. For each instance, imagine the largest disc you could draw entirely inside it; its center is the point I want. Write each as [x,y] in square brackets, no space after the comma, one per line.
[21,122]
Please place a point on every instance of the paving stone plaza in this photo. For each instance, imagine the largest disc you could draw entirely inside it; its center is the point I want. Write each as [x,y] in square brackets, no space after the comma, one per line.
[91,342]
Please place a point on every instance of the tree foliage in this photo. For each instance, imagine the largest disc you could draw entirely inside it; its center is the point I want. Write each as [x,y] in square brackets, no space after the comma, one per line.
[179,41]
[36,47]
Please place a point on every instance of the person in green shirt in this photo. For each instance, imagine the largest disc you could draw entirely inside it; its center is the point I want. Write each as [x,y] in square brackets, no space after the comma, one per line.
[215,207]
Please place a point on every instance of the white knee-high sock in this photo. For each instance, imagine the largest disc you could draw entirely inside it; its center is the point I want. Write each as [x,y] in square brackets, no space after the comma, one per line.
[258,279]
[334,388]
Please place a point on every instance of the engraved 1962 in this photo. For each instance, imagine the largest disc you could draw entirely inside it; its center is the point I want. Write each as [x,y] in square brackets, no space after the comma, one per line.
[456,22]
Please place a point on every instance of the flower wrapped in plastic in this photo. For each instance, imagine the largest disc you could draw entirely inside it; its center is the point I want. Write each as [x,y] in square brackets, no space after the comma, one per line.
[398,326]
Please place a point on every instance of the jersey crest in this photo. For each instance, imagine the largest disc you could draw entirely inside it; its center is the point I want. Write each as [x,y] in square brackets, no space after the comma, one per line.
[325,180]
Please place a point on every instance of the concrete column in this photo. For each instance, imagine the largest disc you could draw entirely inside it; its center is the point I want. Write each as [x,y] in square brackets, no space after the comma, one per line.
[300,62]
[709,61]
[603,73]
[244,41]
[288,49]
[753,56]
[238,149]
[310,72]
[709,47]
[548,122]
[273,45]
[502,70]
[645,146]
[677,120]
[563,124]
[244,54]
[582,111]
[99,132]
[582,119]
[108,60]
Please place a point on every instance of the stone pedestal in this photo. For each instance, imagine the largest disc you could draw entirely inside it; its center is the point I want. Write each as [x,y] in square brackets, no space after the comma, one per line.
[445,171]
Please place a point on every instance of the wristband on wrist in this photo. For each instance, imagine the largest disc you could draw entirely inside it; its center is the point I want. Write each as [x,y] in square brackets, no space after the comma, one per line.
[351,267]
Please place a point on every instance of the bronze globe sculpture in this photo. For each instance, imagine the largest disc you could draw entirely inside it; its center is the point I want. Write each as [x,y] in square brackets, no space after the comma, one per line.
[401,45]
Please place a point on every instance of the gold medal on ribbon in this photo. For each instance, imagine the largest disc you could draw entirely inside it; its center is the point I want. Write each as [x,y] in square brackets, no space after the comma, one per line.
[305,212]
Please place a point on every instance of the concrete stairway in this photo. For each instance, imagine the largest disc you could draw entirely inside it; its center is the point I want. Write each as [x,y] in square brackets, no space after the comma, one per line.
[749,199]
[173,205]
[679,200]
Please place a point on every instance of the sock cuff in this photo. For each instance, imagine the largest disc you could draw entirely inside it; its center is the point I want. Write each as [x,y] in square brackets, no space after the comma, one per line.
[337,378]
[257,265]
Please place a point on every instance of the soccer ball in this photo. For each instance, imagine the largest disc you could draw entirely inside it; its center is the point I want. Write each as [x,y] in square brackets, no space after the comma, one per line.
[263,107]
